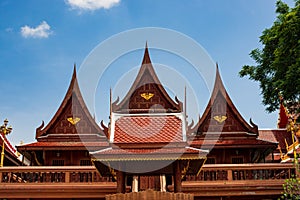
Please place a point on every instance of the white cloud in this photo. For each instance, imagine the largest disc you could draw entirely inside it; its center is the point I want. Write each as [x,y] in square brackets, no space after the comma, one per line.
[41,31]
[91,5]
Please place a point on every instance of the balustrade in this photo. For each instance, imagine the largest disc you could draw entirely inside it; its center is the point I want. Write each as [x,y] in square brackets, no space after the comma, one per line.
[81,174]
[238,172]
[66,174]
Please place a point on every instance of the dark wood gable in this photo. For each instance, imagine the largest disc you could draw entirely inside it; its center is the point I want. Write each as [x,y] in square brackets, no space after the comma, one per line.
[72,117]
[221,115]
[147,93]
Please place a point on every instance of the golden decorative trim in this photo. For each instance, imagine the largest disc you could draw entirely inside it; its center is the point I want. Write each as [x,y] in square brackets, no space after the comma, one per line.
[220,118]
[201,167]
[292,146]
[73,120]
[147,95]
[146,159]
[185,169]
[285,157]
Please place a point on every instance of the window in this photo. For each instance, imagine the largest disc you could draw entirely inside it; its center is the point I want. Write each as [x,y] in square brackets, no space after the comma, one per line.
[58,162]
[210,161]
[85,163]
[237,160]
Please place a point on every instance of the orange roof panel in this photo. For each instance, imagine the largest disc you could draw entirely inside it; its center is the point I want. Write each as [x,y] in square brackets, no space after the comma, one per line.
[148,129]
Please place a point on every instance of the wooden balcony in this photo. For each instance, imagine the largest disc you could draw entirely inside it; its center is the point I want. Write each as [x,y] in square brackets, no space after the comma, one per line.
[239,180]
[85,182]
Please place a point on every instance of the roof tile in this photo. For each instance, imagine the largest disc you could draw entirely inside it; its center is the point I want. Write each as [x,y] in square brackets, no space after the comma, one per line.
[148,129]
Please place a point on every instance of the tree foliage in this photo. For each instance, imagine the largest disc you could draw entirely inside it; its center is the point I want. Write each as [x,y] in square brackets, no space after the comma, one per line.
[278,62]
[291,187]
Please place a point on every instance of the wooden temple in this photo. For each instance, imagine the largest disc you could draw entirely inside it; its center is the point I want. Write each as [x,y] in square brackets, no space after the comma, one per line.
[147,136]
[68,137]
[223,131]
[148,144]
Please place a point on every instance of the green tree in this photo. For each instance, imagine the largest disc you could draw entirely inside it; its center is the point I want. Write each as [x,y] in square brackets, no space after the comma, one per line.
[291,188]
[278,62]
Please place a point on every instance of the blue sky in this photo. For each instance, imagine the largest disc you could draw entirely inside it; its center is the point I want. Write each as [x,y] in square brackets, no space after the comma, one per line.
[41,40]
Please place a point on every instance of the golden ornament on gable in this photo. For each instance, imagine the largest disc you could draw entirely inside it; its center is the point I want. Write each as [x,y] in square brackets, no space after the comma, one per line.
[73,120]
[220,118]
[147,95]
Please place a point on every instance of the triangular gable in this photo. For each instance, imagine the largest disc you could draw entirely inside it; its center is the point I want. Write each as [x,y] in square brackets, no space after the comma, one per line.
[72,117]
[147,93]
[221,115]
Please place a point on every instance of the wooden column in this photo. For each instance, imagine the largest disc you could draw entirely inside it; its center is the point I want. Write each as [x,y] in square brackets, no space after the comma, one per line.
[135,184]
[177,176]
[120,182]
[163,183]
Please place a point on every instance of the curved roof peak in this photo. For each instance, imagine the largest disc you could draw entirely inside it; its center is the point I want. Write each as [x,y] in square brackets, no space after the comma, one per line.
[72,115]
[146,93]
[146,59]
[221,115]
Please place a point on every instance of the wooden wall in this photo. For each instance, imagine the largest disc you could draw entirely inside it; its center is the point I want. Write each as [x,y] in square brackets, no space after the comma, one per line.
[150,194]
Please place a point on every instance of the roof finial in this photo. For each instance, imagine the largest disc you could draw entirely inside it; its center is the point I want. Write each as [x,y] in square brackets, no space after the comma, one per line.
[218,80]
[146,59]
[74,70]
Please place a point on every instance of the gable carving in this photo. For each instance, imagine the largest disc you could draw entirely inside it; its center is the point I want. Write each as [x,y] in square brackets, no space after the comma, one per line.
[72,120]
[221,118]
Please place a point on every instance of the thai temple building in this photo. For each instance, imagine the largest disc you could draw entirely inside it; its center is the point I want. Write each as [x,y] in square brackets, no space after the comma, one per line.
[148,145]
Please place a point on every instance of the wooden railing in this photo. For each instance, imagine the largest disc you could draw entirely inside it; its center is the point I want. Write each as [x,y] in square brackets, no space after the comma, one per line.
[238,172]
[74,174]
[86,182]
[57,174]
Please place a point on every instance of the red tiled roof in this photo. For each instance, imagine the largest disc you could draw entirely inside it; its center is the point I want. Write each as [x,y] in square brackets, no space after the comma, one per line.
[148,151]
[232,142]
[148,129]
[62,145]
[277,135]
[267,135]
[144,154]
